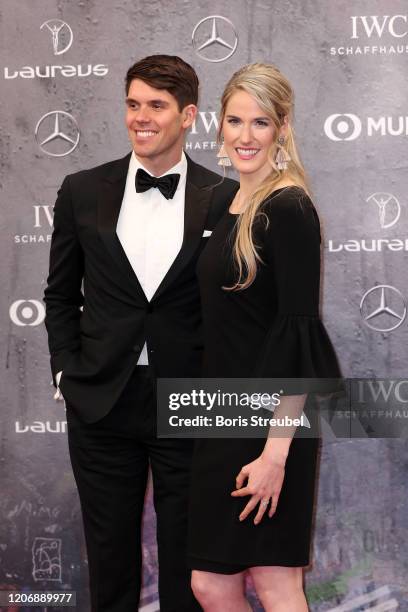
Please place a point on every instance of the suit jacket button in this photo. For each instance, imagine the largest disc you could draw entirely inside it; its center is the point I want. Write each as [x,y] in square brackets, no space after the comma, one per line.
[136,348]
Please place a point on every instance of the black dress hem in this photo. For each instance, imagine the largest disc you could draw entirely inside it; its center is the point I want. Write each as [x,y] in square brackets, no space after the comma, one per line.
[221,567]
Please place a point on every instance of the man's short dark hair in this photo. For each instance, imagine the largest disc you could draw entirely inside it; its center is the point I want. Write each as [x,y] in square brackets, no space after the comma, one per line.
[167,72]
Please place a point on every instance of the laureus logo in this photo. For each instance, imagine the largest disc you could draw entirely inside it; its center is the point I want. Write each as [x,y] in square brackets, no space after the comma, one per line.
[41,427]
[61,38]
[60,33]
[57,133]
[384,211]
[388,208]
[214,38]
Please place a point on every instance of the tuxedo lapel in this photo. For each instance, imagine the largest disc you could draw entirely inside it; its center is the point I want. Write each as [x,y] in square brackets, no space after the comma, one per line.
[110,196]
[196,205]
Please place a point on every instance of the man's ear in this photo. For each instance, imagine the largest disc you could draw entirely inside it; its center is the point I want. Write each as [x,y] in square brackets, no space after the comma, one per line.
[189,113]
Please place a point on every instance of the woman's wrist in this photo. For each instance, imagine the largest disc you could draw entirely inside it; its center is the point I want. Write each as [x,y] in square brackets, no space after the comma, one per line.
[276,450]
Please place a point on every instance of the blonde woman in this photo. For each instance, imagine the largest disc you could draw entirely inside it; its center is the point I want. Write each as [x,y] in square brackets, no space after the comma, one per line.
[251,500]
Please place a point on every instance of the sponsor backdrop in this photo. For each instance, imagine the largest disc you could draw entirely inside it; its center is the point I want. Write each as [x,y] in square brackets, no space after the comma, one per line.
[62,71]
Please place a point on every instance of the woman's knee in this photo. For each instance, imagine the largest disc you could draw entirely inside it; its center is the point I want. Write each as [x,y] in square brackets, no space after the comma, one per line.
[205,588]
[211,589]
[274,585]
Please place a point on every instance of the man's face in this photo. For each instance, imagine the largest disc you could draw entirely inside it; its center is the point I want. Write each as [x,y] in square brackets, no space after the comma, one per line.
[156,126]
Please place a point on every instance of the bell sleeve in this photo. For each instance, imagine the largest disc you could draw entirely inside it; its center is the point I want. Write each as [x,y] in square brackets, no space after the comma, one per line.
[296,345]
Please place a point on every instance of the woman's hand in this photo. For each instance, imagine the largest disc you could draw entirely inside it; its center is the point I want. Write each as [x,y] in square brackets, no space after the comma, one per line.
[264,483]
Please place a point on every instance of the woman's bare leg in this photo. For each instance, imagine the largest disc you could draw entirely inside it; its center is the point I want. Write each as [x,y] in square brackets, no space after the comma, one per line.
[280,589]
[220,592]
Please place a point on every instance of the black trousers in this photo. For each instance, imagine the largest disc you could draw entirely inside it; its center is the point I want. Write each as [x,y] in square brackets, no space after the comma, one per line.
[110,461]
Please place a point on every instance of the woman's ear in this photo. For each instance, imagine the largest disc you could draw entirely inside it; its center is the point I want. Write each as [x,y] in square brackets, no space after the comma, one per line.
[284,128]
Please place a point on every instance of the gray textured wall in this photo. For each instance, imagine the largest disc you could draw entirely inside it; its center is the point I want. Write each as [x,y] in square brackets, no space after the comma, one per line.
[341,60]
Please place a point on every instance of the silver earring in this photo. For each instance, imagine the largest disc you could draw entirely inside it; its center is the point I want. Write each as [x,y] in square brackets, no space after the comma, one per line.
[282,158]
[223,159]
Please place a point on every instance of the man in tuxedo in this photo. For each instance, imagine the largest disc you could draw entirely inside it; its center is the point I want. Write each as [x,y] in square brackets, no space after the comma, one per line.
[123,308]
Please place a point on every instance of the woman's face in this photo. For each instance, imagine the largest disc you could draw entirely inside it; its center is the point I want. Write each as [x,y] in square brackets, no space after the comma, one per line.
[248,135]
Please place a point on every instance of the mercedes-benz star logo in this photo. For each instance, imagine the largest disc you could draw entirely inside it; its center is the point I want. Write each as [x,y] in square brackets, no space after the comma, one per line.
[61,33]
[383,308]
[57,133]
[389,209]
[218,43]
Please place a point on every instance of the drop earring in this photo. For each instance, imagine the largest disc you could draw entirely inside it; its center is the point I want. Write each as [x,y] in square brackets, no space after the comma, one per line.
[282,158]
[223,159]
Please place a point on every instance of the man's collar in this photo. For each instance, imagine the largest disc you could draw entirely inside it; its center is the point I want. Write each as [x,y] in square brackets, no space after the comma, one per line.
[180,167]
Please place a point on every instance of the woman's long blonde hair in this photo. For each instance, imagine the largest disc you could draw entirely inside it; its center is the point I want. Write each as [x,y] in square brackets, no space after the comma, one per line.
[274,94]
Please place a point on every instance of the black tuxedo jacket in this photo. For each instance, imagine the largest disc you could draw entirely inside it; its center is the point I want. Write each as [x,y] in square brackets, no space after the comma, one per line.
[97,315]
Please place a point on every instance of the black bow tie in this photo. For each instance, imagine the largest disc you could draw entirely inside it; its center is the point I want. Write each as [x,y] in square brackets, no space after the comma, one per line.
[167,184]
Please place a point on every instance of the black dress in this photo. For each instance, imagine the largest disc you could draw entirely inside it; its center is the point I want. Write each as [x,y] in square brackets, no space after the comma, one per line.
[271,329]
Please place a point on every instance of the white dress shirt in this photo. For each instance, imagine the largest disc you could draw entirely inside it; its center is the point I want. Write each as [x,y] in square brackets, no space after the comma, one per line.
[150,229]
